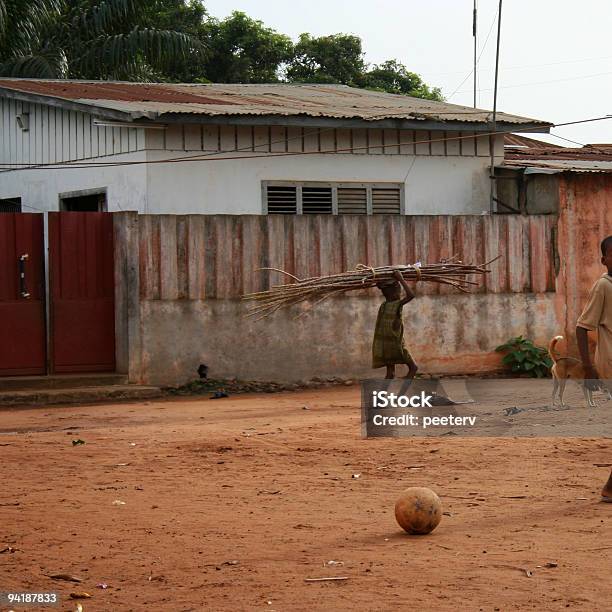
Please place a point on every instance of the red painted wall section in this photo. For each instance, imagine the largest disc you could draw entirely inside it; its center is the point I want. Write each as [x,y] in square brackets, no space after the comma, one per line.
[585,218]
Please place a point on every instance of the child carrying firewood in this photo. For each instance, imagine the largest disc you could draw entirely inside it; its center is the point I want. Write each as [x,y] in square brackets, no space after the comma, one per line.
[388,348]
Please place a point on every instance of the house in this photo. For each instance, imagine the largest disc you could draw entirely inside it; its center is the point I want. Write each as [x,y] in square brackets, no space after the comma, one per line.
[529,179]
[243,149]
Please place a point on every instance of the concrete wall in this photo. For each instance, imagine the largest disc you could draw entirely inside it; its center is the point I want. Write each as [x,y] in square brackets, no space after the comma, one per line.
[40,189]
[180,279]
[451,334]
[433,184]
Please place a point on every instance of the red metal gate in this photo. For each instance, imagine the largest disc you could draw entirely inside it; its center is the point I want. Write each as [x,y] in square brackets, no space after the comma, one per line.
[22,295]
[82,290]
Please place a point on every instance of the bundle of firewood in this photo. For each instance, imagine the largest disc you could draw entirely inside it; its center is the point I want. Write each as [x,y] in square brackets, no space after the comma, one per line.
[452,272]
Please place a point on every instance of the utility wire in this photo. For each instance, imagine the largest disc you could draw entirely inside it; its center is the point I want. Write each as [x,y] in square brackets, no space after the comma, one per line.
[210,157]
[479,56]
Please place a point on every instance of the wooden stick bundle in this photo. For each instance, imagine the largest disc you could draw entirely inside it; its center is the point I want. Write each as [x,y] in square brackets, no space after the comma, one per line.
[451,272]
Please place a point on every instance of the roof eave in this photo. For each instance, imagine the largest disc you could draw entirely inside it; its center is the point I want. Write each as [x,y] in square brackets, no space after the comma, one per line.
[388,123]
[63,103]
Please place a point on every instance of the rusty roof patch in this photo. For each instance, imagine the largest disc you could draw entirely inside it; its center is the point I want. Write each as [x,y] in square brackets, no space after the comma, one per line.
[154,100]
[128,92]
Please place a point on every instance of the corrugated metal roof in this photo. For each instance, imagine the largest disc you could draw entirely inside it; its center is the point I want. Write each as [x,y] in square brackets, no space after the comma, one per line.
[156,100]
[522,142]
[534,166]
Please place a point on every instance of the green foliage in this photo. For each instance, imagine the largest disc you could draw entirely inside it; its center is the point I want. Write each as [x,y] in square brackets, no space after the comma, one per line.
[337,58]
[243,50]
[92,39]
[523,357]
[393,77]
[176,40]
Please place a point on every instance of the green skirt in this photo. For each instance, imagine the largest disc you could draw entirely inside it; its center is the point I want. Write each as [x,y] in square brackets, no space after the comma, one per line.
[388,347]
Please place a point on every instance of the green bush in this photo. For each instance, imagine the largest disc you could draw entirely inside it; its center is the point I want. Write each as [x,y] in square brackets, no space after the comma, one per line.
[525,358]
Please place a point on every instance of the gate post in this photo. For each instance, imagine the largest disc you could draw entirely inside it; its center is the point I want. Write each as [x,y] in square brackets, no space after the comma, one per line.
[127,295]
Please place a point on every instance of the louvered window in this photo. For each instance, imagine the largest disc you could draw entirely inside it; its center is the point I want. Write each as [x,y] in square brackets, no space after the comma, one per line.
[352,201]
[316,200]
[282,200]
[10,205]
[310,198]
[385,201]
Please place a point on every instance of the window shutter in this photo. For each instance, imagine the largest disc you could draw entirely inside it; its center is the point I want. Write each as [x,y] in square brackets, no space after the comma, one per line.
[386,200]
[317,200]
[352,201]
[282,200]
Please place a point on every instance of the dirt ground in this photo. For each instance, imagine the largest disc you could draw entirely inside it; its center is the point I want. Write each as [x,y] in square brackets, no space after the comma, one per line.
[231,504]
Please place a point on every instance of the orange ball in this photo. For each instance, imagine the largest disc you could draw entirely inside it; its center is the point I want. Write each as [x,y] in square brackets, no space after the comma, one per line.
[418,510]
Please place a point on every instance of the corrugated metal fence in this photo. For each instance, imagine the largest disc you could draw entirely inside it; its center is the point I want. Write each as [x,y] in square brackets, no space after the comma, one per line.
[216,256]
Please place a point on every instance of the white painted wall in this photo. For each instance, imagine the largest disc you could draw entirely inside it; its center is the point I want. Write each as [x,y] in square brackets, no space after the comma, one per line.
[433,185]
[40,189]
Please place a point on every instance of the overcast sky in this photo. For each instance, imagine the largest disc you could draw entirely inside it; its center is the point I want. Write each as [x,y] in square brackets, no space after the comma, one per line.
[555,58]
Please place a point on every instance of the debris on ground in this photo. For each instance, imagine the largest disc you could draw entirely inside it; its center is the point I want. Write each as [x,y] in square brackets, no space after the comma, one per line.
[66,577]
[118,502]
[326,579]
[219,395]
[80,595]
[234,386]
[77,442]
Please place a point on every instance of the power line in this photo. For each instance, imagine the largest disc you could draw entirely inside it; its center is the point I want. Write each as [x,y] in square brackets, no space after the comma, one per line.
[211,157]
[520,67]
[588,76]
[479,56]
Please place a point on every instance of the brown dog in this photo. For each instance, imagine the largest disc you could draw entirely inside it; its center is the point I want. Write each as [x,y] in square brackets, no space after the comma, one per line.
[568,368]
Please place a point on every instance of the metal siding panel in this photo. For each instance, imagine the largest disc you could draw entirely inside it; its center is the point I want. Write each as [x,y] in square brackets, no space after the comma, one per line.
[95,141]
[244,138]
[79,136]
[343,140]
[327,139]
[407,142]
[87,129]
[482,146]
[453,146]
[153,139]
[422,144]
[391,142]
[311,140]
[360,141]
[124,139]
[193,137]
[174,137]
[295,140]
[278,143]
[210,137]
[468,144]
[261,135]
[437,144]
[375,142]
[227,137]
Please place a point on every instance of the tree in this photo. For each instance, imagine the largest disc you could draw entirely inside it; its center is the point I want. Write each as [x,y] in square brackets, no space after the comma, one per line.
[88,39]
[243,50]
[337,58]
[393,77]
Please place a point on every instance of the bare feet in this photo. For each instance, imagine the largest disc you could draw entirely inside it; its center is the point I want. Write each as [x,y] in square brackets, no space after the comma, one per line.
[390,372]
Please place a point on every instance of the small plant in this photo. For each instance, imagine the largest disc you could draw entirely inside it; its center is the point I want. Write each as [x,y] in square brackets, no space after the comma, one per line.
[524,357]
